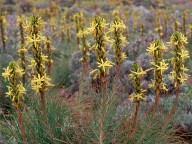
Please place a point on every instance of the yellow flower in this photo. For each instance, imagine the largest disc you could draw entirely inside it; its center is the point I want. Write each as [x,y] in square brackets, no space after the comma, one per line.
[34,39]
[12,68]
[136,76]
[140,73]
[162,66]
[178,38]
[104,65]
[102,68]
[23,50]
[39,82]
[184,54]
[7,73]
[132,97]
[182,79]
[155,46]
[139,96]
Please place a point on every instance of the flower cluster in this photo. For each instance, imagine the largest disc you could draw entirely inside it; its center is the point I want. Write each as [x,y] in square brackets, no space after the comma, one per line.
[53,25]
[177,25]
[79,20]
[22,50]
[40,80]
[180,54]
[156,50]
[159,30]
[103,67]
[16,91]
[49,49]
[97,28]
[84,44]
[136,74]
[118,40]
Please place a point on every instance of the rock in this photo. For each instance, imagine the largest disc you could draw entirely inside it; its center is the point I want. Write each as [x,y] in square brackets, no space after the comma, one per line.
[142,10]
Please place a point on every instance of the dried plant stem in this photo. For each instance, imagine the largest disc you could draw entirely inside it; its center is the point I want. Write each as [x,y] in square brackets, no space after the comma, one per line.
[84,67]
[176,101]
[116,82]
[157,93]
[68,35]
[23,62]
[165,27]
[3,39]
[136,112]
[81,86]
[43,108]
[21,125]
[104,95]
[104,103]
[23,78]
[191,33]
[142,30]
[137,107]
[184,23]
[49,68]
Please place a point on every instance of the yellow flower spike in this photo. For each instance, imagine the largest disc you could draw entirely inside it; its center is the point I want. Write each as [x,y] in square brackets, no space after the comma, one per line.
[98,26]
[84,45]
[159,30]
[40,81]
[97,29]
[16,91]
[180,54]
[118,40]
[156,50]
[136,74]
[79,22]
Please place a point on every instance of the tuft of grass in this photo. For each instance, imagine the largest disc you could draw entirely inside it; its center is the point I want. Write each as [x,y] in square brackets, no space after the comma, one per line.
[58,116]
[79,124]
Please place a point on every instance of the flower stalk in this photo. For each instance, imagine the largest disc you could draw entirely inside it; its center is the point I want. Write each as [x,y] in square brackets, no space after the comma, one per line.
[136,75]
[118,41]
[63,25]
[179,73]
[49,49]
[79,20]
[156,50]
[142,30]
[184,22]
[16,91]
[3,24]
[97,28]
[159,30]
[22,50]
[40,81]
